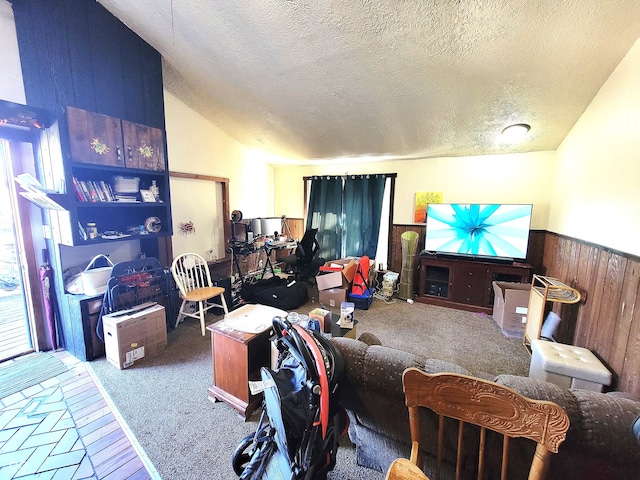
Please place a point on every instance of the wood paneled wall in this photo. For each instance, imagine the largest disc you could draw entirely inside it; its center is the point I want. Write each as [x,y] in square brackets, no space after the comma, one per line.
[607,319]
[296,227]
[394,262]
[76,53]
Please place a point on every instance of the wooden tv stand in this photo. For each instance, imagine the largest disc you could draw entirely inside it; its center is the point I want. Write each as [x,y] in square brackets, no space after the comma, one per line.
[466,284]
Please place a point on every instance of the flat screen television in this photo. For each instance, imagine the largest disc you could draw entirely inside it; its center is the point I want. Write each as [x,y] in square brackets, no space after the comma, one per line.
[494,231]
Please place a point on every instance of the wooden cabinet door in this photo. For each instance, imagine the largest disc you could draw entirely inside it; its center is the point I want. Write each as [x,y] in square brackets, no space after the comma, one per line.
[237,358]
[143,146]
[435,279]
[470,284]
[94,138]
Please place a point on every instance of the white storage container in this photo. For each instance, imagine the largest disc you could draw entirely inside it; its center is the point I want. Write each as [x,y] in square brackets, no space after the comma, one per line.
[126,184]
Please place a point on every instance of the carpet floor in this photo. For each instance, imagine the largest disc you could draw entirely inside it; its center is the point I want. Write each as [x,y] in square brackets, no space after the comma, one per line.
[186,436]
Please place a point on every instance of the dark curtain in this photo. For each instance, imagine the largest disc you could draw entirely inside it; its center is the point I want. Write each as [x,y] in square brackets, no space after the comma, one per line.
[325,214]
[363,196]
[347,214]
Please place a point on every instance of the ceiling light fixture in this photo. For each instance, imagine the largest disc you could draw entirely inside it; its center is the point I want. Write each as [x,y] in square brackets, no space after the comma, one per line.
[516,131]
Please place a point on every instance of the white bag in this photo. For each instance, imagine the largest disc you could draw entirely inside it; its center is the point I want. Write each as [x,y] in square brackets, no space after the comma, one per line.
[92,280]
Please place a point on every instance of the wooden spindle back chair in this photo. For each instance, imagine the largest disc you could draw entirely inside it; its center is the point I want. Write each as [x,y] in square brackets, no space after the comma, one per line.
[193,279]
[403,469]
[488,405]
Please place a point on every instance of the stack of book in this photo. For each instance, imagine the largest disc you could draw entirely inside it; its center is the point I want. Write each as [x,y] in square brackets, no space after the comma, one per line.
[99,191]
[126,197]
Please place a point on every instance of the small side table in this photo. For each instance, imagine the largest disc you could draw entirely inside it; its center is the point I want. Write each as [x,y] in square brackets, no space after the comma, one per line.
[237,358]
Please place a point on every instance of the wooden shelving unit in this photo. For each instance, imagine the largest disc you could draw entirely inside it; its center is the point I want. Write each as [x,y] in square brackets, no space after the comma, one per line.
[97,152]
[543,290]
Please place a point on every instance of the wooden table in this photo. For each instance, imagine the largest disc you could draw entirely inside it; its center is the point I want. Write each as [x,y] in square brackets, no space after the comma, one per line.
[237,358]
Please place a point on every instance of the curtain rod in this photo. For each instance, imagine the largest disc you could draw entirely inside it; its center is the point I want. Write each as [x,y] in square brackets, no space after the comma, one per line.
[353,175]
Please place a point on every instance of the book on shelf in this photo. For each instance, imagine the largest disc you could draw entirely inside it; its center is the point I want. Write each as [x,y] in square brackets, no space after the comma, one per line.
[31,184]
[111,192]
[36,193]
[79,193]
[93,191]
[106,190]
[41,200]
[123,197]
[98,189]
[86,191]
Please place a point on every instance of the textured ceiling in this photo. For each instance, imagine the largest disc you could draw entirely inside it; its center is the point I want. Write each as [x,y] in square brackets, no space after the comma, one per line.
[322,79]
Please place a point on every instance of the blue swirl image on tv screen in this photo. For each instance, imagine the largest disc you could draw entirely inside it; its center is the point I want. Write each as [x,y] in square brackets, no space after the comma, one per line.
[479,230]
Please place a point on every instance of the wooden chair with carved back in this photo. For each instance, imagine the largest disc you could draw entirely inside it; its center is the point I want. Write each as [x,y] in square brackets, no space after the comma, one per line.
[404,469]
[489,406]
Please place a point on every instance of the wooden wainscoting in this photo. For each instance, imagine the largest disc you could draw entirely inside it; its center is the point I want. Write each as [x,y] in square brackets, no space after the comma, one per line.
[295,226]
[607,320]
[394,262]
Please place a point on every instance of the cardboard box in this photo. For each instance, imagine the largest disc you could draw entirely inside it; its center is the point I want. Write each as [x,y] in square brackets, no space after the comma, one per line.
[510,305]
[343,269]
[323,316]
[131,335]
[329,280]
[346,314]
[348,268]
[332,297]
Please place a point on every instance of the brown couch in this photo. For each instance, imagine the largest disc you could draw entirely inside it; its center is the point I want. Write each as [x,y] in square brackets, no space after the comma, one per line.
[600,443]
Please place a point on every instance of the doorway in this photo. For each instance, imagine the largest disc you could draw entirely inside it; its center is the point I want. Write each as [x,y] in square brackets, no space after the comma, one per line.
[15,325]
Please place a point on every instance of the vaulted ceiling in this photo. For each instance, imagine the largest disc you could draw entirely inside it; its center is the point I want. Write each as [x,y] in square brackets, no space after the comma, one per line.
[325,79]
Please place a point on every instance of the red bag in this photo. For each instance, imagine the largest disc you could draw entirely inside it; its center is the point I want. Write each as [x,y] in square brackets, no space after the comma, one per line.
[361,277]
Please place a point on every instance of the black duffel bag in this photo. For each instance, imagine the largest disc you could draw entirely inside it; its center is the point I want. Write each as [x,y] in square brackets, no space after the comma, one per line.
[276,292]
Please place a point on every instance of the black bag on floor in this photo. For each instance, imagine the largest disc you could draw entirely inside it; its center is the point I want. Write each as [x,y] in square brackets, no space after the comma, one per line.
[276,292]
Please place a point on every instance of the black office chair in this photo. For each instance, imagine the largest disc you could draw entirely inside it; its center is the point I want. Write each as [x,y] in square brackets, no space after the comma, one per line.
[304,264]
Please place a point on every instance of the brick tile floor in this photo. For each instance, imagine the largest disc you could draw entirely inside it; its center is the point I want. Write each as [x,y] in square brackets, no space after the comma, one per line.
[65,428]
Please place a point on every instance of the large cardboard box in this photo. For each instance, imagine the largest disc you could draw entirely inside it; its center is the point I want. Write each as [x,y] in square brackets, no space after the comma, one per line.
[131,335]
[348,266]
[510,306]
[332,297]
[341,276]
[329,280]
